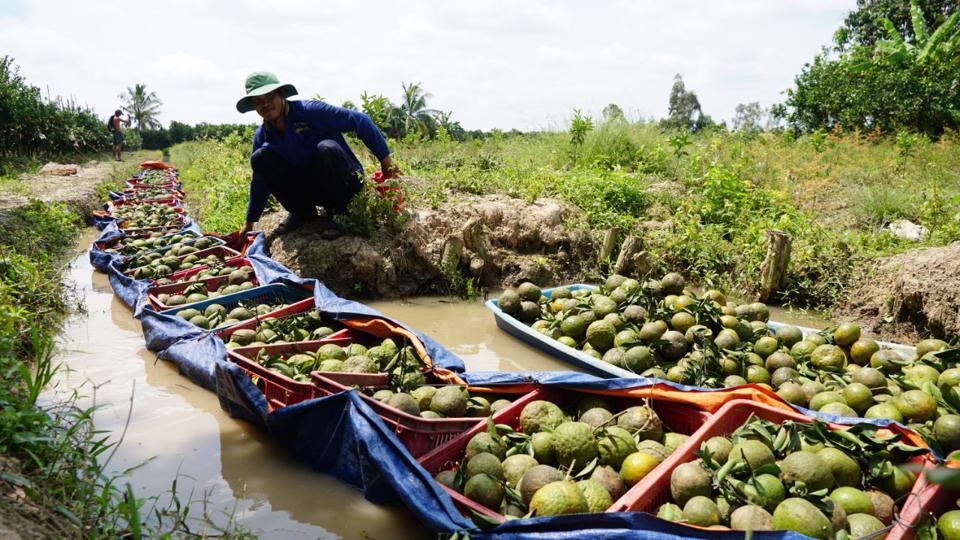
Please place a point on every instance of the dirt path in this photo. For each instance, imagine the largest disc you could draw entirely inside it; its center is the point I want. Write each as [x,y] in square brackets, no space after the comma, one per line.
[78,191]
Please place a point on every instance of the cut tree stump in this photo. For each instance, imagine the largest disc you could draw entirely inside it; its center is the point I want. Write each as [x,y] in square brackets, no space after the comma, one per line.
[632,261]
[774,267]
[452,250]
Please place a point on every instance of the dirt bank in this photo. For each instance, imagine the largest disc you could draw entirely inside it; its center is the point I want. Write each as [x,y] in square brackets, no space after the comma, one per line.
[79,191]
[495,240]
[910,296]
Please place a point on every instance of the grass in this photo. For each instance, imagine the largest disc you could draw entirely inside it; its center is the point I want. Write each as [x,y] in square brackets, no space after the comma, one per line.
[217,176]
[713,194]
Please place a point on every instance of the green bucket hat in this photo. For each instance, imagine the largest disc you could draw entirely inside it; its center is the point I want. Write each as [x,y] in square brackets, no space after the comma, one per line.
[260,83]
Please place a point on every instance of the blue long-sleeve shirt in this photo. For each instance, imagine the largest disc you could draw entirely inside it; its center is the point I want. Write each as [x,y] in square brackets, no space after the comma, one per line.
[307,123]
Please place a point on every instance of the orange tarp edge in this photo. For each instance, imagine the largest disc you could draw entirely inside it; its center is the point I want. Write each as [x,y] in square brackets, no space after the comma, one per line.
[153,164]
[710,401]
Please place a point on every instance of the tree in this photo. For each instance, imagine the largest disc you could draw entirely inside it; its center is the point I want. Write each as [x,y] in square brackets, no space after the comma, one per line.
[907,82]
[451,127]
[942,44]
[142,106]
[612,113]
[180,132]
[748,118]
[865,26]
[349,105]
[416,115]
[684,111]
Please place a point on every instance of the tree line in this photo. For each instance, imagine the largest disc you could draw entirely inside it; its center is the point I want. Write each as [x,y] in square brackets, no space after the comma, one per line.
[33,126]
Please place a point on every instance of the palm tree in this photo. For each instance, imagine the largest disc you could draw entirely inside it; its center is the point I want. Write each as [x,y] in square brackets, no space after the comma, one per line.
[416,115]
[452,127]
[143,107]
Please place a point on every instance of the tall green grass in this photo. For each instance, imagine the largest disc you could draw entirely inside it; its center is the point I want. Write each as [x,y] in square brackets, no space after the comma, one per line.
[217,176]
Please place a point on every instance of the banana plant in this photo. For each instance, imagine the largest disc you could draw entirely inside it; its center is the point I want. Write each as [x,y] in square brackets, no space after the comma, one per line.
[942,43]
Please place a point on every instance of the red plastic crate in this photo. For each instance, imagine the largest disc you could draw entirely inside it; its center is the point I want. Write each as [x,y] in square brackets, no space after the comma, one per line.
[678,417]
[280,390]
[184,276]
[654,489]
[169,200]
[222,251]
[420,435]
[297,308]
[212,284]
[172,193]
[181,221]
[137,184]
[925,499]
[133,235]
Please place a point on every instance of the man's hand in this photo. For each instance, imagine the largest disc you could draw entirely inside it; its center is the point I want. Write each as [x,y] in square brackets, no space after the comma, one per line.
[247,227]
[389,169]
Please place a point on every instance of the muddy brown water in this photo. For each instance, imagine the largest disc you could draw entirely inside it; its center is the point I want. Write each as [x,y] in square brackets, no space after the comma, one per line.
[176,430]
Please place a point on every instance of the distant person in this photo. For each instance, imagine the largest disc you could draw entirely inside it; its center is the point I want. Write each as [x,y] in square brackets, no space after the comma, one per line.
[300,155]
[115,123]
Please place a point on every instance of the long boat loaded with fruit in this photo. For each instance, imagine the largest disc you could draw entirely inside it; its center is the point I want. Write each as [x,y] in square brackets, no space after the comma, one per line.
[662,329]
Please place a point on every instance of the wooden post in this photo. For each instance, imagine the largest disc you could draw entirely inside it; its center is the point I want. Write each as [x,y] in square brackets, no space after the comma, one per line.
[774,266]
[474,238]
[452,250]
[609,241]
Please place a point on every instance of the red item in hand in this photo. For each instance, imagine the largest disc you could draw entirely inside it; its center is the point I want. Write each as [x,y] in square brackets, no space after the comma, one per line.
[388,189]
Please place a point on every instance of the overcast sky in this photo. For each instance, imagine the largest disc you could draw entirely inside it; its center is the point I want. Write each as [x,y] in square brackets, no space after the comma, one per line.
[493,63]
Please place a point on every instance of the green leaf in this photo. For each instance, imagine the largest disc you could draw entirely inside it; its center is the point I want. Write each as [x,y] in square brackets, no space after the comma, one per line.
[944,476]
[65,512]
[132,509]
[513,497]
[588,469]
[15,479]
[482,521]
[930,49]
[770,468]
[920,30]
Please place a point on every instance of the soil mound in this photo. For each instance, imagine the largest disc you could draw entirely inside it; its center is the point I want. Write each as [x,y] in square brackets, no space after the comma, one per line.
[910,296]
[494,239]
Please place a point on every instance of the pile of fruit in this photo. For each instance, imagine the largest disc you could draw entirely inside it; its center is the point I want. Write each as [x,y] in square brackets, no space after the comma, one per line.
[661,329]
[147,215]
[156,177]
[562,462]
[145,250]
[308,326]
[403,365]
[240,279]
[147,194]
[217,268]
[794,476]
[162,265]
[217,316]
[431,401]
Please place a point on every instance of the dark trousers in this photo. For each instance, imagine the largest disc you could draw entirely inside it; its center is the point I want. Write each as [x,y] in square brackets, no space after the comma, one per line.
[329,180]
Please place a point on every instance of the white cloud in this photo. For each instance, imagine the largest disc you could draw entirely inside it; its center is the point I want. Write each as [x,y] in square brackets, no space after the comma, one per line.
[494,64]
